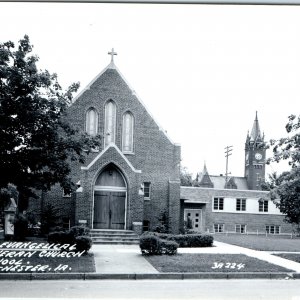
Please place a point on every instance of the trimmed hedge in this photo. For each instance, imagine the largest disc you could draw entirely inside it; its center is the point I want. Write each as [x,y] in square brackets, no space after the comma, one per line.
[83,243]
[192,240]
[153,245]
[60,237]
[169,247]
[150,244]
[76,235]
[186,240]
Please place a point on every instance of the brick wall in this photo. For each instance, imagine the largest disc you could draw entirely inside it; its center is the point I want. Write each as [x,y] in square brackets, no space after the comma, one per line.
[255,222]
[154,155]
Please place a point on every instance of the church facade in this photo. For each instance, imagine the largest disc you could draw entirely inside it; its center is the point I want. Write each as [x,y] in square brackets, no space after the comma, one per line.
[235,204]
[133,179]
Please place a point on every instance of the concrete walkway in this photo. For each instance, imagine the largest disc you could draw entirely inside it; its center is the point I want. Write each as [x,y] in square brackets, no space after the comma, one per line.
[121,259]
[127,259]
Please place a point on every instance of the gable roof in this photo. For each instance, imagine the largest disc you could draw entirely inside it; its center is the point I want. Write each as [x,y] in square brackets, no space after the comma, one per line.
[112,66]
[219,182]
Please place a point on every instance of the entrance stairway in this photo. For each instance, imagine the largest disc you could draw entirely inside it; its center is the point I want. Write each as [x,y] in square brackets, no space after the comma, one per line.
[111,236]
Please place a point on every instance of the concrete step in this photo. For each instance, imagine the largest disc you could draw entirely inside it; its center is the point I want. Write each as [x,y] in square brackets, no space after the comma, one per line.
[112,237]
[106,236]
[112,234]
[104,242]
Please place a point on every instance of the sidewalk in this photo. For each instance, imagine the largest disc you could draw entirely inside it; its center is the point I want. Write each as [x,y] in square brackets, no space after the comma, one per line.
[121,259]
[127,259]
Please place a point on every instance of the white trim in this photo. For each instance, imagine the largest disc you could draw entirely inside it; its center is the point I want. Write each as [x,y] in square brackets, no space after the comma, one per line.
[119,151]
[232,190]
[110,188]
[195,201]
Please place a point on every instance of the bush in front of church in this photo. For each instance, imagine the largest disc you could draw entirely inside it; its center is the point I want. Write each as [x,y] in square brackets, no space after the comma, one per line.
[78,235]
[169,247]
[83,243]
[192,240]
[185,240]
[150,245]
[79,231]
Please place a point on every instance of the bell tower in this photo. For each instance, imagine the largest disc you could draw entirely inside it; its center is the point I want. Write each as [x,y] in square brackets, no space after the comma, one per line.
[255,157]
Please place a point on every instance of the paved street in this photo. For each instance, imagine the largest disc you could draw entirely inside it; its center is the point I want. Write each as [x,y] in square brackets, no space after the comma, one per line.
[151,289]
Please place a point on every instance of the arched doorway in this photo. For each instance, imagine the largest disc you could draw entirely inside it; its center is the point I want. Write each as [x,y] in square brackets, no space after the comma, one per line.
[110,200]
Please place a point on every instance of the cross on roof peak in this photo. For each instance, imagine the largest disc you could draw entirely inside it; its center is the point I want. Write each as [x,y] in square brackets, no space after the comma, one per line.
[112,53]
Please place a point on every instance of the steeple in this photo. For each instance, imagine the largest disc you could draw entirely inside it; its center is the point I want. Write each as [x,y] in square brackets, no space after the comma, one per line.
[255,156]
[205,180]
[255,132]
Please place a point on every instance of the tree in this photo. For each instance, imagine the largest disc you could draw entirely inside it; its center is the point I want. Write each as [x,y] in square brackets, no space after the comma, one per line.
[286,187]
[37,143]
[185,177]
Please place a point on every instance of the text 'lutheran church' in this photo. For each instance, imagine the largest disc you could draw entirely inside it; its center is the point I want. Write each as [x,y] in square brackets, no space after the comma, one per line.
[133,181]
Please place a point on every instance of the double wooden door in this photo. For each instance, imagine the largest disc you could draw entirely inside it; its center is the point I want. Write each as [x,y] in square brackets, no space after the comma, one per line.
[109,210]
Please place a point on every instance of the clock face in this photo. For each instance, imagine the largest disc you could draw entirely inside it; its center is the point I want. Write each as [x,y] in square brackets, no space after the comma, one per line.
[258,156]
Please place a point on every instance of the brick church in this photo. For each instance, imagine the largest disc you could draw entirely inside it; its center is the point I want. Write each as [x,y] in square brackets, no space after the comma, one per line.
[133,180]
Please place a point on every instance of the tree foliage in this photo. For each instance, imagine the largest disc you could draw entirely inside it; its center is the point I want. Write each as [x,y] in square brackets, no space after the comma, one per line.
[37,143]
[185,177]
[286,186]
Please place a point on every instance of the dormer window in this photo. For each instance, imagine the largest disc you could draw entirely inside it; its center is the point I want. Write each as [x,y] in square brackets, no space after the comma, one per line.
[110,123]
[127,135]
[91,122]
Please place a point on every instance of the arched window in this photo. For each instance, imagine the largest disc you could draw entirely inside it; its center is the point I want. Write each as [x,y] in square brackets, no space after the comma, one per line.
[127,136]
[110,123]
[91,122]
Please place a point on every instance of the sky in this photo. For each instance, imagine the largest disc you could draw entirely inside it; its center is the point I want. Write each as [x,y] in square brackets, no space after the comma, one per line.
[201,70]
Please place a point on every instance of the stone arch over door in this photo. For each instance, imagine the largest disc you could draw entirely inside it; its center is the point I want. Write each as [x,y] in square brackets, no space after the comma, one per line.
[110,197]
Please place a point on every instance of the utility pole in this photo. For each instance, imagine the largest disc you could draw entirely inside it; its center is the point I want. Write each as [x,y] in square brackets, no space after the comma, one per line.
[228,152]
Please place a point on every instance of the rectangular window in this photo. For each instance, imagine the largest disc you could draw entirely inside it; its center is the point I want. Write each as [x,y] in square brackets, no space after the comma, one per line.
[257,166]
[273,229]
[219,227]
[147,190]
[263,205]
[218,203]
[258,177]
[240,228]
[241,204]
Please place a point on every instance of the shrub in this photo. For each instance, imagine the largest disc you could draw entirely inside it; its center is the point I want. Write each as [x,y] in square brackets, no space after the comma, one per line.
[185,240]
[20,227]
[49,218]
[83,243]
[60,237]
[76,235]
[150,244]
[79,231]
[169,247]
[192,240]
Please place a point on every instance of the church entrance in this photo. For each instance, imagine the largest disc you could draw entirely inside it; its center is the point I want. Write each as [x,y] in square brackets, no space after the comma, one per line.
[110,200]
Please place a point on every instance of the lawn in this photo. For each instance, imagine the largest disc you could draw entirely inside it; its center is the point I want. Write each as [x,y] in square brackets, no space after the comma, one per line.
[291,256]
[261,242]
[13,261]
[211,263]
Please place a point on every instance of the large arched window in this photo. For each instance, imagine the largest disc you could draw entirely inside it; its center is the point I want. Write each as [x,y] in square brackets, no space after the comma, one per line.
[127,135]
[91,122]
[110,123]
